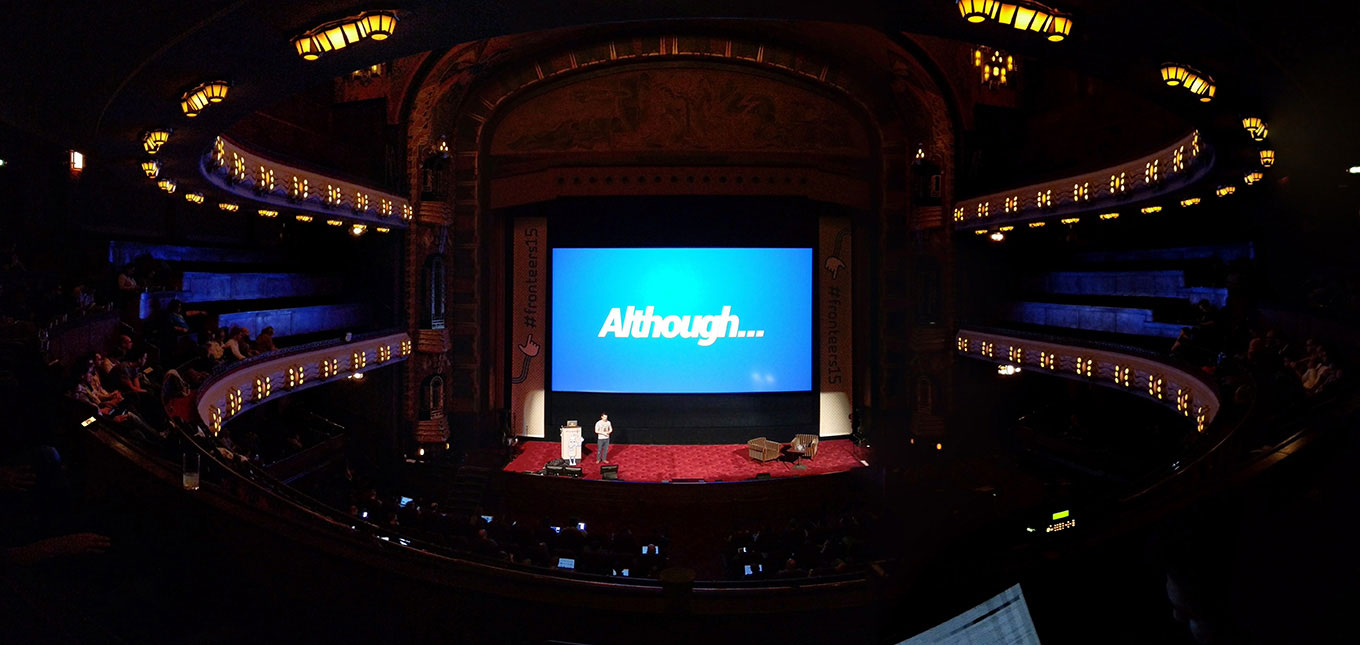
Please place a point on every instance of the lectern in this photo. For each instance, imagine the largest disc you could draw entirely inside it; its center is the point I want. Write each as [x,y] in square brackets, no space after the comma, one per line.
[571,444]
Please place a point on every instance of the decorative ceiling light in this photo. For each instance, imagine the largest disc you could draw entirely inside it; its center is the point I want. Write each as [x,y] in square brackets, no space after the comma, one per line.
[1267,158]
[152,140]
[1109,216]
[1148,210]
[339,34]
[1006,229]
[1025,15]
[193,198]
[378,25]
[357,230]
[978,10]
[1194,81]
[229,207]
[207,93]
[1224,191]
[994,66]
[334,222]
[265,212]
[303,218]
[1256,127]
[1037,224]
[1071,220]
[980,231]
[152,168]
[1186,203]
[76,160]
[382,229]
[167,185]
[1253,177]
[1058,27]
[998,236]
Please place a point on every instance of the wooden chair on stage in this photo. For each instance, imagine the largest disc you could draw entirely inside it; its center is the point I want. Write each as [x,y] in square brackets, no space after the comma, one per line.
[762,449]
[804,445]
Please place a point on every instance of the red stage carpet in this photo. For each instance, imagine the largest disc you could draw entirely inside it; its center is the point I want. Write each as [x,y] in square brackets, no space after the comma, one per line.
[647,463]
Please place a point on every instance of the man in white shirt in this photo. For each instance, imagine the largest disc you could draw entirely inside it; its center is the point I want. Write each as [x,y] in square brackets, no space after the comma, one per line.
[602,431]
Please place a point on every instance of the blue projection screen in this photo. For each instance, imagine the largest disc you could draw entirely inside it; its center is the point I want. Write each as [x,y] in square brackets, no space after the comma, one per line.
[681,320]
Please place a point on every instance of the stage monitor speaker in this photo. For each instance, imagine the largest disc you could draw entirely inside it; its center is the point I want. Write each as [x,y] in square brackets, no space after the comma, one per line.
[555,468]
[610,472]
[572,471]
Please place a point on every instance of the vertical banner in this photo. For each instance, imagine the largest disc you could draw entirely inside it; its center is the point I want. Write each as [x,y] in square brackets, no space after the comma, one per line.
[528,326]
[834,319]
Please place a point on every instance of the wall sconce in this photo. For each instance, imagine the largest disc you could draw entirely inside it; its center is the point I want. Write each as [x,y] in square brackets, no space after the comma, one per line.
[995,65]
[980,231]
[1071,220]
[303,218]
[1109,216]
[333,222]
[1257,128]
[1148,210]
[1186,203]
[193,198]
[152,168]
[202,96]
[167,185]
[339,34]
[1037,224]
[357,230]
[230,208]
[152,140]
[1224,191]
[265,212]
[1267,158]
[382,229]
[76,160]
[1253,177]
[998,236]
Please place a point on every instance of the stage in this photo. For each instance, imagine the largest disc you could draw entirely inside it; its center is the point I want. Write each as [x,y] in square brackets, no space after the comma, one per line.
[709,463]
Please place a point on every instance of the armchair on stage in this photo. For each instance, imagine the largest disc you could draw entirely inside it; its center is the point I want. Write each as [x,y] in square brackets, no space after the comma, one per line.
[762,449]
[804,445]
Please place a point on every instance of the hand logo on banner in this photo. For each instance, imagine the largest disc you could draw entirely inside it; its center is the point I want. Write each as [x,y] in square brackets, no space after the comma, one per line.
[834,263]
[530,349]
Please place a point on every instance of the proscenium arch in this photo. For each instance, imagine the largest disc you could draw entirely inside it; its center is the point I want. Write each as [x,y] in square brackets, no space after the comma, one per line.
[898,104]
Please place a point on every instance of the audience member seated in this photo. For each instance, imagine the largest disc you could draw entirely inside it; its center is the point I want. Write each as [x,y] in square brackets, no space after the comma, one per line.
[265,341]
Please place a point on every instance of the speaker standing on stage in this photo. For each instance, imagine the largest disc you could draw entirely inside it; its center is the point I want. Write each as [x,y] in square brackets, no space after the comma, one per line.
[603,428]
